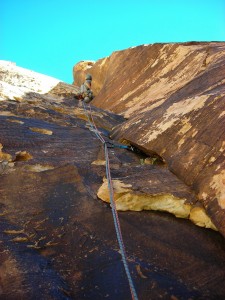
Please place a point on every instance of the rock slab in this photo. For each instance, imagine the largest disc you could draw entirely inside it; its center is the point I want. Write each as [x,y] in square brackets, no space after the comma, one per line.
[58,239]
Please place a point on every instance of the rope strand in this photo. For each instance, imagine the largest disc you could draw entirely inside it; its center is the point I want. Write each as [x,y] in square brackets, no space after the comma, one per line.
[92,124]
[113,204]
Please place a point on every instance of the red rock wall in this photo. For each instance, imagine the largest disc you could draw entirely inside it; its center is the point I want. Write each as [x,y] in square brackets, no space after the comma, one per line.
[58,240]
[173,96]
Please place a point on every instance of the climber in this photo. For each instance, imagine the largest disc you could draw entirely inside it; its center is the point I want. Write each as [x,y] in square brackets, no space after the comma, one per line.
[85,89]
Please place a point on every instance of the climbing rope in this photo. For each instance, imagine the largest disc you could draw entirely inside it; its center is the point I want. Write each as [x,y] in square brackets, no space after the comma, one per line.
[112,202]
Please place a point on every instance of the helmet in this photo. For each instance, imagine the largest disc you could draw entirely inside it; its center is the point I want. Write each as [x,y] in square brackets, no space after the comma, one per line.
[88,77]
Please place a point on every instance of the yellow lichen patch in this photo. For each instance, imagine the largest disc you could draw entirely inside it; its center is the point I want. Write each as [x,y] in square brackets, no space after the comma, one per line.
[15,121]
[80,113]
[82,117]
[34,247]
[39,168]
[59,109]
[118,186]
[186,126]
[98,162]
[4,213]
[13,231]
[181,142]
[194,132]
[174,113]
[47,251]
[41,130]
[81,110]
[126,199]
[222,114]
[218,184]
[23,156]
[212,159]
[222,148]
[150,160]
[165,202]
[204,196]
[17,98]
[164,86]
[199,217]
[3,155]
[77,111]
[138,268]
[30,111]
[51,244]
[20,239]
[6,113]
[185,106]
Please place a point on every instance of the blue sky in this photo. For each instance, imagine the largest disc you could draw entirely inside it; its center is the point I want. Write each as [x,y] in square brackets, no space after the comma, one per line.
[50,37]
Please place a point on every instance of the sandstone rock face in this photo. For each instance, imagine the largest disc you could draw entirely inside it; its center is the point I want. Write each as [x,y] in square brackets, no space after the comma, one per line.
[58,239]
[173,97]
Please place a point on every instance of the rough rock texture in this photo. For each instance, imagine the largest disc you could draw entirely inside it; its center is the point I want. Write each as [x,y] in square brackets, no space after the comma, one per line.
[58,239]
[173,96]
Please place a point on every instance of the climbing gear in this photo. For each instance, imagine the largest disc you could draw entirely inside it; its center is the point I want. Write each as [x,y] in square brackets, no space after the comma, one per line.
[113,145]
[112,201]
[85,92]
[121,146]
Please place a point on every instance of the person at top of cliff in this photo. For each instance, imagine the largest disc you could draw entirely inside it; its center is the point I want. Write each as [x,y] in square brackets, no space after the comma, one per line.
[85,89]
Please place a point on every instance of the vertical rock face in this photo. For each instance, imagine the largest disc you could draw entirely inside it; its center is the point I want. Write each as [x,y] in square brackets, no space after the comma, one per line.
[173,97]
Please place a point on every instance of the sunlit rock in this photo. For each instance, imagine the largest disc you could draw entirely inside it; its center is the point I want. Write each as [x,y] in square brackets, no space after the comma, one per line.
[58,238]
[172,96]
